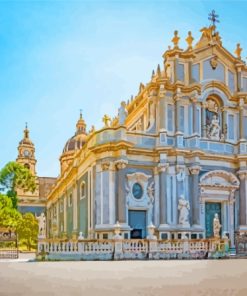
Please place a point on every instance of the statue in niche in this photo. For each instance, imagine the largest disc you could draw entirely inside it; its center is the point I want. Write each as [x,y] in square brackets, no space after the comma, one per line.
[183,207]
[216,226]
[42,227]
[122,113]
[214,128]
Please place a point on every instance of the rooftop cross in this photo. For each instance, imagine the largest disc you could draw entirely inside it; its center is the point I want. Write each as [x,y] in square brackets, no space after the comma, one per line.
[213,17]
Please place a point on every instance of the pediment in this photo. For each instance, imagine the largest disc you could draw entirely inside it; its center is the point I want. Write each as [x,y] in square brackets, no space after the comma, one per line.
[219,178]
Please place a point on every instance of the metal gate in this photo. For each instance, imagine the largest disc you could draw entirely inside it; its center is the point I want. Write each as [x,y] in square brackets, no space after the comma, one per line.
[8,244]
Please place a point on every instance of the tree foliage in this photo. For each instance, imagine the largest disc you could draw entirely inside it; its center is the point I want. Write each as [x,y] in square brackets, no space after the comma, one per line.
[9,216]
[27,230]
[15,176]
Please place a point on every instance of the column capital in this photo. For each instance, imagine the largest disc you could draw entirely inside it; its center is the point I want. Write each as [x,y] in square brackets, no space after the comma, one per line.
[105,165]
[162,167]
[194,170]
[194,99]
[242,174]
[121,164]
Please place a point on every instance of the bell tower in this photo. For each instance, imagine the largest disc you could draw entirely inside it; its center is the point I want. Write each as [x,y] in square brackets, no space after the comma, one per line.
[26,152]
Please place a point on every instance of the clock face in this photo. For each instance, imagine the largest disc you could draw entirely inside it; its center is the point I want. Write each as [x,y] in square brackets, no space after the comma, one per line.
[137,191]
[26,153]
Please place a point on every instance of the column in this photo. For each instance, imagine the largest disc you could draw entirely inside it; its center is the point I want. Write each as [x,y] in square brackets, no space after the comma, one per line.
[121,194]
[75,217]
[163,192]
[195,124]
[203,117]
[65,214]
[242,200]
[231,218]
[195,206]
[241,119]
[105,191]
[224,122]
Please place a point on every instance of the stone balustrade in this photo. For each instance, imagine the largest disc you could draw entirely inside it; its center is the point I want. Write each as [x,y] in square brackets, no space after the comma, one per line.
[131,249]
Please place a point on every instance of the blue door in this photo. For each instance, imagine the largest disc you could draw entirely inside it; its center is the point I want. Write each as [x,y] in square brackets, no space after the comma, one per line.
[211,209]
[137,221]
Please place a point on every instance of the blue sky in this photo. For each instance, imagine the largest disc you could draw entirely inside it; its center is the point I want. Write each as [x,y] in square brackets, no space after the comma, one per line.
[57,57]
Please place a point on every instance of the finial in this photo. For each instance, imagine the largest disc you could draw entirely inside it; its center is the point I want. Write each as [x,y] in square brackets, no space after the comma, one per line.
[26,131]
[158,72]
[153,74]
[238,51]
[175,39]
[106,120]
[141,87]
[189,40]
[80,113]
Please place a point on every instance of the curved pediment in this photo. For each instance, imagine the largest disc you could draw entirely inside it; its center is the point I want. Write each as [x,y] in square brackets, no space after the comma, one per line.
[219,178]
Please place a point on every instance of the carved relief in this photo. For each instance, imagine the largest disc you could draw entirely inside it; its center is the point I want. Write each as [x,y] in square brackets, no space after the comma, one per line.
[121,164]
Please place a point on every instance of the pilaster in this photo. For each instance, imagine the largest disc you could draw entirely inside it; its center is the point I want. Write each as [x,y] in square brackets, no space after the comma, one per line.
[162,169]
[243,202]
[121,196]
[195,207]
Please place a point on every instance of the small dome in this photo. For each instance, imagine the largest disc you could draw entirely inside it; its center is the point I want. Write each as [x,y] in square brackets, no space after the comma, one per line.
[26,140]
[78,140]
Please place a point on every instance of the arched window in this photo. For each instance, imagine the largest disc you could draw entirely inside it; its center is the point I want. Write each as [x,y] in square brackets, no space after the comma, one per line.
[27,166]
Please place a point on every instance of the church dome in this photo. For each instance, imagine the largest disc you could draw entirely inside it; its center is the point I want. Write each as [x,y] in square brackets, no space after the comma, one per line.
[78,140]
[26,140]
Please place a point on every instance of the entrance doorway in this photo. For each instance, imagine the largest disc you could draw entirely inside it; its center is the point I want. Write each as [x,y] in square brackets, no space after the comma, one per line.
[137,221]
[211,209]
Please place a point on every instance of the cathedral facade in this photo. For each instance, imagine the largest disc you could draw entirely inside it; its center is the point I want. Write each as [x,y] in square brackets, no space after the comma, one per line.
[174,157]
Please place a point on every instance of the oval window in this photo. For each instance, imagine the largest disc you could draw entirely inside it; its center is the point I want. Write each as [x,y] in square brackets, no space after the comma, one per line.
[137,191]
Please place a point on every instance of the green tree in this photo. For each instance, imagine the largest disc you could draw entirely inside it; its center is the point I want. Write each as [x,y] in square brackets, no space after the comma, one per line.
[15,176]
[27,230]
[9,216]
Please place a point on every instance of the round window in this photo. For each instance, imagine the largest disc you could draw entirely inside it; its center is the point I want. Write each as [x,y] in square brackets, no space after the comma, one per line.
[137,191]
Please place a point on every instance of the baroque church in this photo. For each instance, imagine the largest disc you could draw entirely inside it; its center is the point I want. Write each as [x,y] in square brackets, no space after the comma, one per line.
[174,157]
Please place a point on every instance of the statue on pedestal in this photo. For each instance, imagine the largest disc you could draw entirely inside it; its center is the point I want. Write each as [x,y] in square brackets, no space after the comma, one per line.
[183,207]
[122,113]
[216,226]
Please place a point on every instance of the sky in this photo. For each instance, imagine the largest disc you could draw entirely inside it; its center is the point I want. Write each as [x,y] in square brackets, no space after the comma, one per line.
[57,57]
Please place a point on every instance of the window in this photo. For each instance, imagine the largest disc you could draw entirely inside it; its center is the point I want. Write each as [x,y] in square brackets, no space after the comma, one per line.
[70,201]
[180,72]
[137,191]
[195,73]
[27,166]
[231,81]
[245,127]
[181,119]
[164,236]
[231,127]
[83,190]
[170,118]
[105,235]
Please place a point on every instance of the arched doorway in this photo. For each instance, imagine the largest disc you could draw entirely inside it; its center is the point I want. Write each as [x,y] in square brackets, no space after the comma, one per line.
[218,189]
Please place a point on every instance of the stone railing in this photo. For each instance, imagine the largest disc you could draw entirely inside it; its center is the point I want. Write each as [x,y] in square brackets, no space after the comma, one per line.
[131,249]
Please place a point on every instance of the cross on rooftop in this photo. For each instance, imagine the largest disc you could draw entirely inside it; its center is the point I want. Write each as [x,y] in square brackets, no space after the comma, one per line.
[213,17]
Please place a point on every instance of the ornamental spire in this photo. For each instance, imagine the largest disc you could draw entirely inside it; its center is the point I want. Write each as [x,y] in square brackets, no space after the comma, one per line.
[81,125]
[26,131]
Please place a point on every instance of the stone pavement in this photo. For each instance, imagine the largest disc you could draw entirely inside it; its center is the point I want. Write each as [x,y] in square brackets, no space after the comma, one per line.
[118,278]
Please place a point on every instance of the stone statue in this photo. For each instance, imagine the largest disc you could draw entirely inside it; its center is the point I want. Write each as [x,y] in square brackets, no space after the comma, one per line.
[122,113]
[42,225]
[216,226]
[183,207]
[214,129]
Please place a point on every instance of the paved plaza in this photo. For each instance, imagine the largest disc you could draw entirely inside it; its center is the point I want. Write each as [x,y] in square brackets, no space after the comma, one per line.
[132,278]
